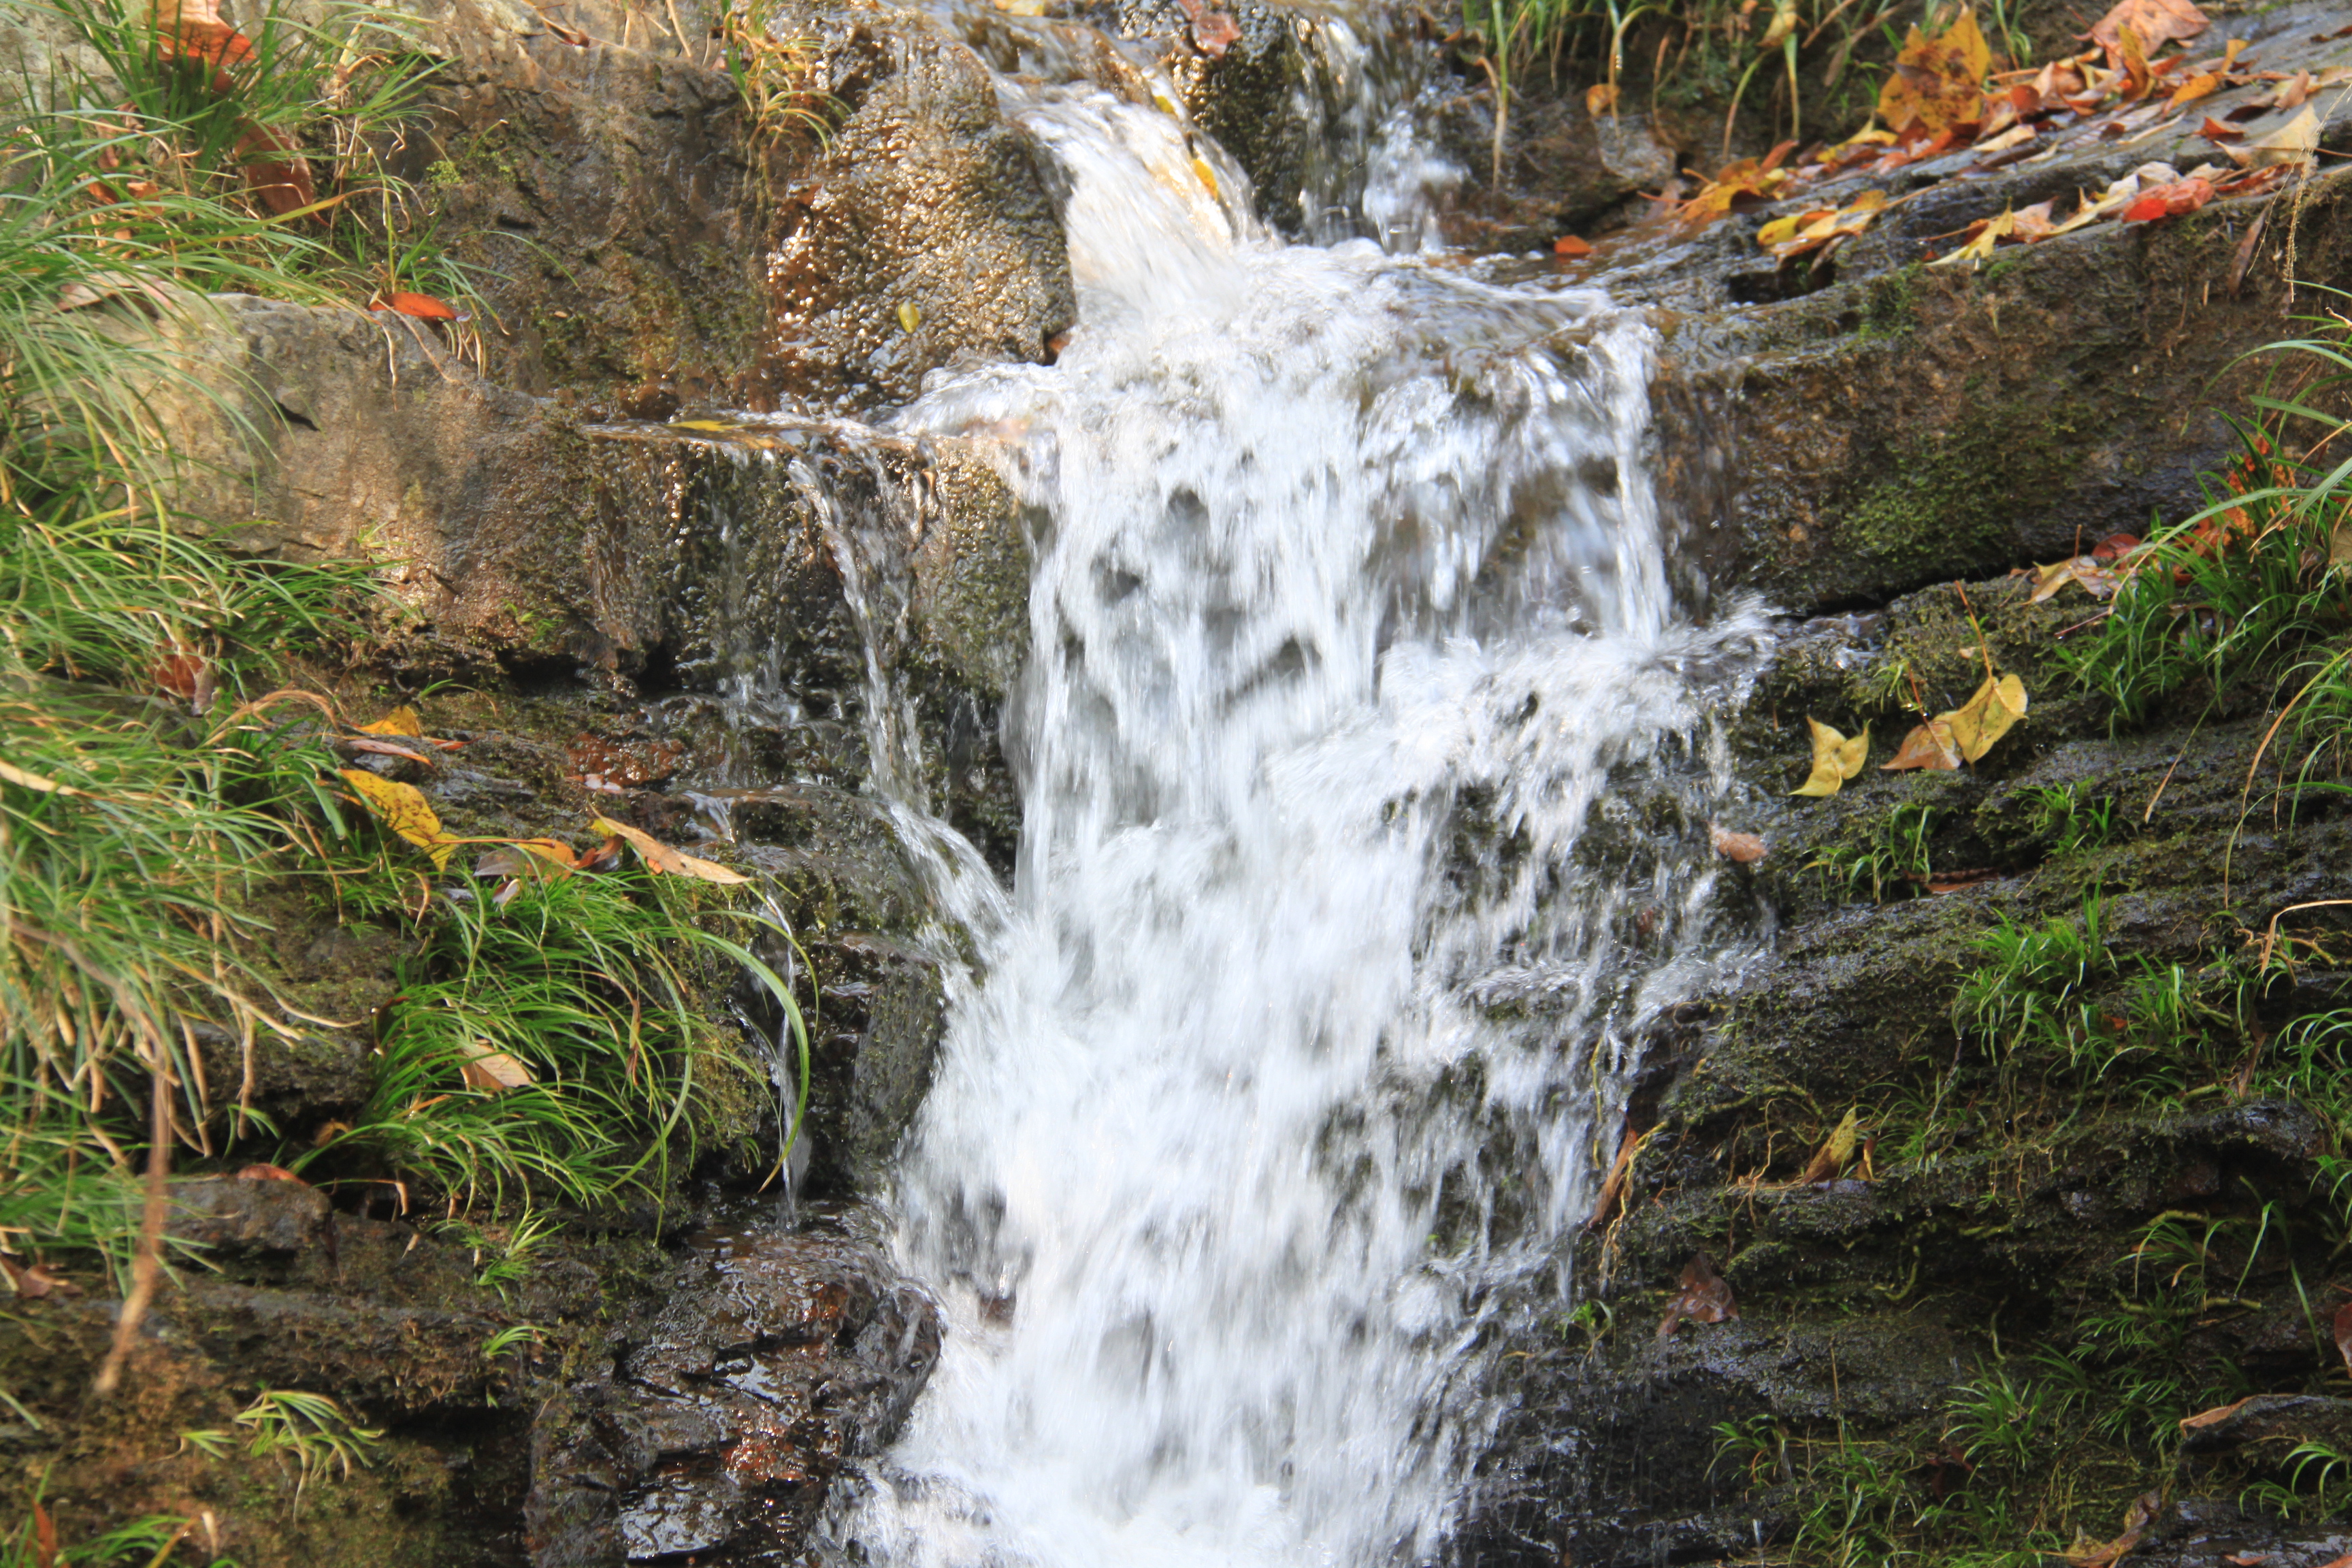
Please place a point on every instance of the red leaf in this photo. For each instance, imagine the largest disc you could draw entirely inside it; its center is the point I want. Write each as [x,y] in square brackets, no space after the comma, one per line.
[2214,130]
[2169,201]
[1569,245]
[269,1174]
[422,305]
[1213,32]
[45,1538]
[2114,547]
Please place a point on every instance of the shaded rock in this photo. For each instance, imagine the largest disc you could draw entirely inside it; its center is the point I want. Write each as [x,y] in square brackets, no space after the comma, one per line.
[726,1414]
[236,1213]
[881,1010]
[2274,1423]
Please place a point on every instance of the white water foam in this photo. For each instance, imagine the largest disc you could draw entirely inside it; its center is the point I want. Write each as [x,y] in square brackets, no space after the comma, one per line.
[1365,778]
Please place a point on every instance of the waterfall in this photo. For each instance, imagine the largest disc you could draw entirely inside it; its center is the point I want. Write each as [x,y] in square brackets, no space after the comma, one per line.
[1366,769]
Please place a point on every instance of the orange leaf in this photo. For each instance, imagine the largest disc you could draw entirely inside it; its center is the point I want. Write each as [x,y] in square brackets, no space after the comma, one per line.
[1930,745]
[2156,22]
[402,720]
[2169,201]
[1569,245]
[269,1174]
[277,173]
[424,306]
[45,1538]
[2214,130]
[660,856]
[1937,82]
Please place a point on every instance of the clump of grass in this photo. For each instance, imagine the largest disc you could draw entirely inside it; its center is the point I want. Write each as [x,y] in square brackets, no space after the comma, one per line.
[1894,858]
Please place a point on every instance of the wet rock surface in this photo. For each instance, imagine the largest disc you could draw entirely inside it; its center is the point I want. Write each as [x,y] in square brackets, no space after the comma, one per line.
[726,1414]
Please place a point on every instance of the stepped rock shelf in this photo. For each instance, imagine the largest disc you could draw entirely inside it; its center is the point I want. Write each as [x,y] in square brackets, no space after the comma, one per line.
[658,535]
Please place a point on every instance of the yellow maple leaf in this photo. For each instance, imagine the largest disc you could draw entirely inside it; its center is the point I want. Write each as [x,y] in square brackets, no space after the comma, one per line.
[1937,82]
[1835,759]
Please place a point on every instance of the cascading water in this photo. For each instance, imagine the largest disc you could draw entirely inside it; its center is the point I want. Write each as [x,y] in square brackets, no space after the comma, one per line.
[1365,797]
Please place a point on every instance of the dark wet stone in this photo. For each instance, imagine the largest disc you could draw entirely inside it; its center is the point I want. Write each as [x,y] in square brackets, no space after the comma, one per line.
[238,1214]
[730,1408]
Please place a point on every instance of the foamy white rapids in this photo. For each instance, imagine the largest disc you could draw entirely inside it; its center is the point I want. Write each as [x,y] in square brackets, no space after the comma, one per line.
[1364,820]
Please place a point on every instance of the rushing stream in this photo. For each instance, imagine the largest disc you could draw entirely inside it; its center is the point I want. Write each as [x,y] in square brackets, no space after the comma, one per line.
[1366,778]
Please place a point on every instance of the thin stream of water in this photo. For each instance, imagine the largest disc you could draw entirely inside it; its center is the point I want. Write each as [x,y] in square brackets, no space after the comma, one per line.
[1365,773]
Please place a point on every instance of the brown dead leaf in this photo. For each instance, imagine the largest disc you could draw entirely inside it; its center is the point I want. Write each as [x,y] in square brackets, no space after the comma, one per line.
[2293,145]
[1599,99]
[38,1281]
[399,807]
[1744,849]
[1929,745]
[2212,1418]
[1835,759]
[276,169]
[1614,1187]
[2088,1553]
[45,1538]
[2344,1332]
[1704,1297]
[660,856]
[368,745]
[258,1173]
[2213,130]
[2082,571]
[1953,881]
[2156,22]
[1937,82]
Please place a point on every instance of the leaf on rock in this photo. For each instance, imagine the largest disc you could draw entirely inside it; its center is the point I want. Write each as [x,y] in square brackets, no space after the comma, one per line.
[1748,182]
[2084,572]
[1599,99]
[1801,232]
[1704,1297]
[2294,145]
[1568,245]
[1742,848]
[258,1173]
[1986,717]
[424,307]
[399,721]
[1982,236]
[910,318]
[2213,130]
[1835,759]
[2169,201]
[402,809]
[1214,31]
[2212,1418]
[1929,745]
[2155,22]
[2204,84]
[1937,82]
[1833,1155]
[660,856]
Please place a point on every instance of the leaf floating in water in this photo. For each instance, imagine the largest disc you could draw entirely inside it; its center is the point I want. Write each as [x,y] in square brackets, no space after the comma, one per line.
[1745,849]
[1835,759]
[1705,1298]
[910,318]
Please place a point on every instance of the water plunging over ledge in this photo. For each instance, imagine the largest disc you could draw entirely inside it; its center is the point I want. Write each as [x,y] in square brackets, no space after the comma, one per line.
[1365,773]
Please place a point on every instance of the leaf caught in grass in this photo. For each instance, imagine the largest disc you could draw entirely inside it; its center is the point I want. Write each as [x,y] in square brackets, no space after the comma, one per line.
[2344,1332]
[1835,759]
[1741,849]
[1986,717]
[660,856]
[1704,1297]
[22,780]
[402,809]
[1599,99]
[1929,745]
[1937,82]
[492,1072]
[274,166]
[2088,1553]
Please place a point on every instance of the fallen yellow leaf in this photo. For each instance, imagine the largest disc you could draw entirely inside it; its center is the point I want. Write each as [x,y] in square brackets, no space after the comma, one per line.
[910,318]
[399,807]
[1929,746]
[1986,717]
[1599,99]
[492,1072]
[401,720]
[1835,759]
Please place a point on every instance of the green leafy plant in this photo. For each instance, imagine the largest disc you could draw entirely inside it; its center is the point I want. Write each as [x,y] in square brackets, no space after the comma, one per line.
[307,1431]
[1895,856]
